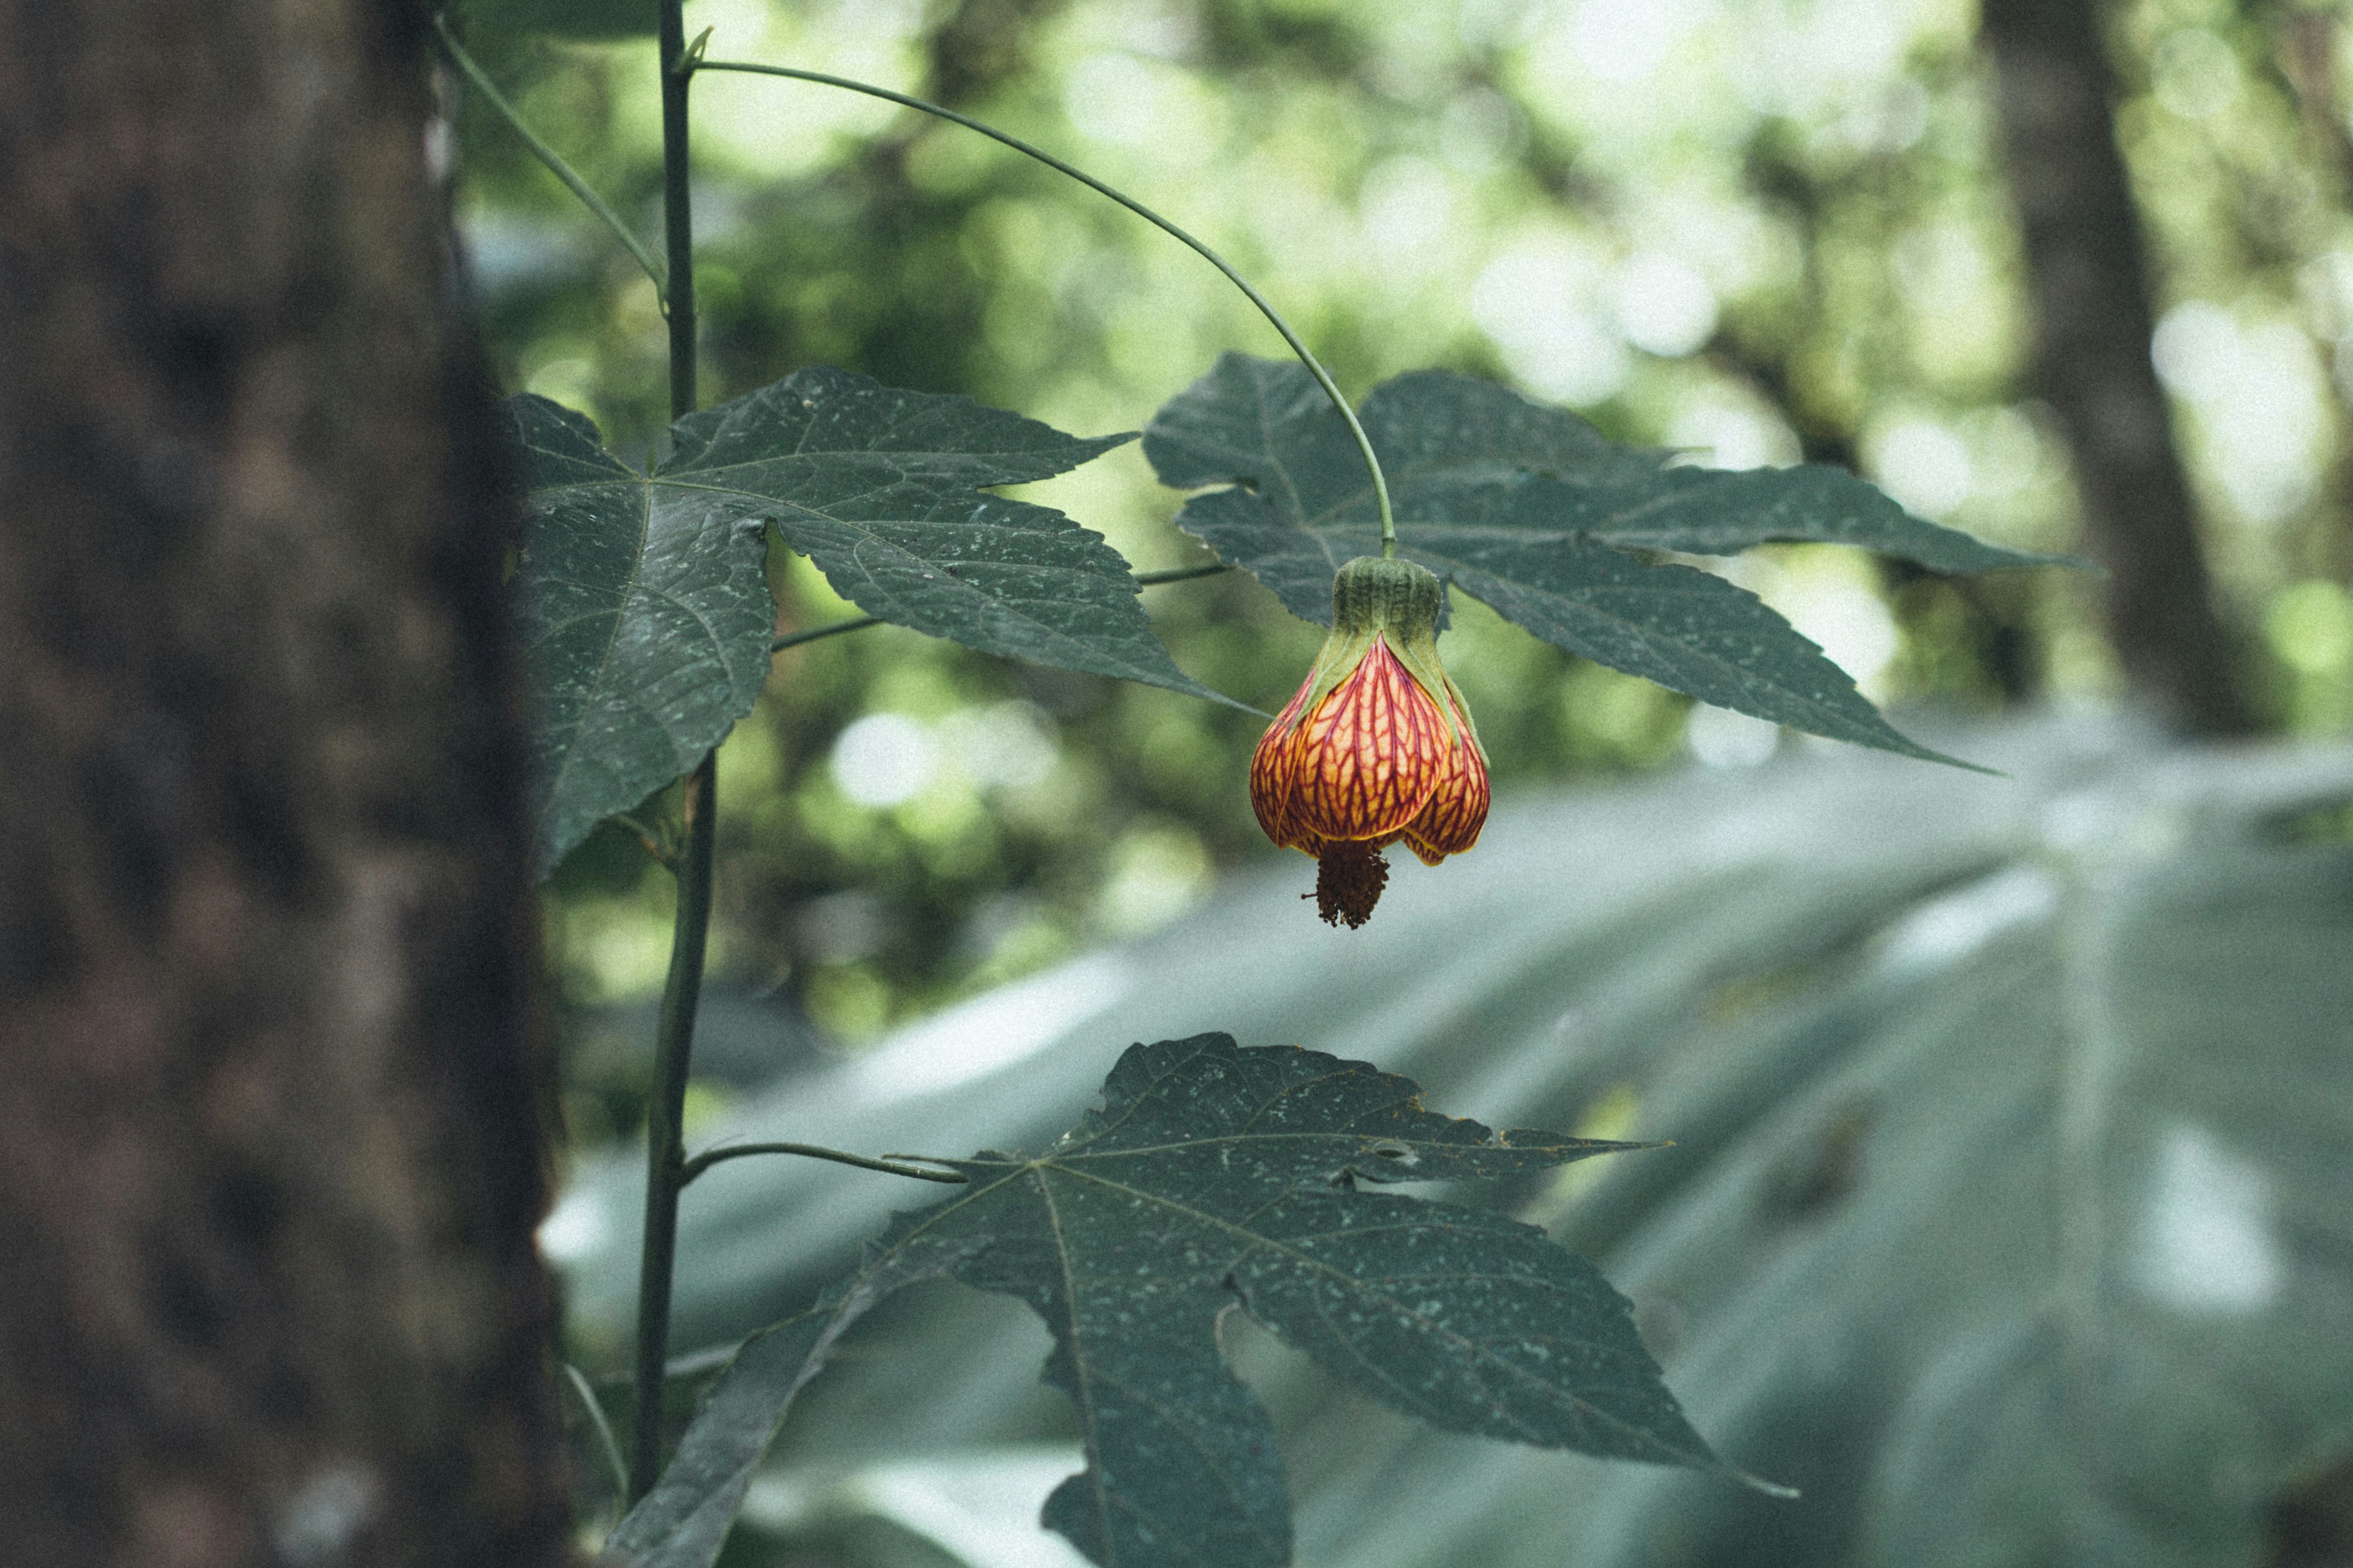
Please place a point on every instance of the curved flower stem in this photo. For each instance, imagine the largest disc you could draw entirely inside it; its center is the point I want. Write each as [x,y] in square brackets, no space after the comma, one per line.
[555,163]
[1143,579]
[1314,366]
[710,1157]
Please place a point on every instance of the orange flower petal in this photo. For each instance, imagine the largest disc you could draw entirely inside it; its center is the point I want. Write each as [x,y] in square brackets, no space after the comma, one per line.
[1370,755]
[1386,753]
[1273,767]
[1449,824]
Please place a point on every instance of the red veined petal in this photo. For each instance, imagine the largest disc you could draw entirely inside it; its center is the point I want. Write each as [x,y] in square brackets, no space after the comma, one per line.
[1449,824]
[1274,768]
[1369,754]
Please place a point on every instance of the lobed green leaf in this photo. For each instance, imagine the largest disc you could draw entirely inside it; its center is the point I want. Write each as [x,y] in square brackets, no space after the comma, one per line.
[646,612]
[1531,511]
[1214,1176]
[880,487]
[644,626]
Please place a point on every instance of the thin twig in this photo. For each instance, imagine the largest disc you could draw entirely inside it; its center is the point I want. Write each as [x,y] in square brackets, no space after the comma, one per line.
[554,161]
[611,1445]
[710,1157]
[1181,574]
[1314,366]
[1143,579]
[795,639]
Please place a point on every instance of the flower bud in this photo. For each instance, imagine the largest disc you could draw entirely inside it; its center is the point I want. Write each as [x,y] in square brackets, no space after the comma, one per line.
[1376,745]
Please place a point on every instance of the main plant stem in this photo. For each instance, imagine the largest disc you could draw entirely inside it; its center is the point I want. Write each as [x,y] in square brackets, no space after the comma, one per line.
[675,1035]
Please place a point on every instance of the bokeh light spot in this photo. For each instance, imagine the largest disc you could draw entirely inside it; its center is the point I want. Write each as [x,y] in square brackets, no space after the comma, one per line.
[2310,626]
[1531,301]
[1847,620]
[1627,40]
[1924,466]
[1662,305]
[1721,436]
[2196,74]
[1005,744]
[884,759]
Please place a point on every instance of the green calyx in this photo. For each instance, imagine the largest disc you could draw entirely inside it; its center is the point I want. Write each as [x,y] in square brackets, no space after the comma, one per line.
[1397,602]
[1371,595]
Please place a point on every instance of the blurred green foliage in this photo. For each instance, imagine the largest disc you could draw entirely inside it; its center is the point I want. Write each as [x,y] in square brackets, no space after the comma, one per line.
[1758,229]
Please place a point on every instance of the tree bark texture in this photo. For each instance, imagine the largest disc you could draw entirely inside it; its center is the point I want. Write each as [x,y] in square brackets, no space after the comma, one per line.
[2088,272]
[268,1151]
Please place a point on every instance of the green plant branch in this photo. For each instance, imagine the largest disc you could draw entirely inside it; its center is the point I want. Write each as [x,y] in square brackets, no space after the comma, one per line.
[677,213]
[710,1157]
[795,639]
[691,931]
[1314,366]
[1181,574]
[1143,579]
[554,161]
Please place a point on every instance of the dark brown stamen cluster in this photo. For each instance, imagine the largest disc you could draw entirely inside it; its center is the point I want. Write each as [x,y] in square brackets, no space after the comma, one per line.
[1349,877]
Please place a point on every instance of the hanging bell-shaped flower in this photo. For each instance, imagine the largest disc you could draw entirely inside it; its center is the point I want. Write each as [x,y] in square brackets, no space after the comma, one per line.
[1376,746]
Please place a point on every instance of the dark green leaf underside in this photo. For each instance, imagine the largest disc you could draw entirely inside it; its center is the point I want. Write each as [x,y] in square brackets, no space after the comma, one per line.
[881,488]
[646,613]
[1531,511]
[645,627]
[1215,1174]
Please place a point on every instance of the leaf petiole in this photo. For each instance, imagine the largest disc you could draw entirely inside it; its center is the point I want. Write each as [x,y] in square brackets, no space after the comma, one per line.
[1143,579]
[710,1157]
[1181,574]
[1314,366]
[795,639]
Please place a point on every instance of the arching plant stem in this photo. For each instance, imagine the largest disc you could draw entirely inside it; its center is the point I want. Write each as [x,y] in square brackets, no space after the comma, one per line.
[1314,366]
[554,161]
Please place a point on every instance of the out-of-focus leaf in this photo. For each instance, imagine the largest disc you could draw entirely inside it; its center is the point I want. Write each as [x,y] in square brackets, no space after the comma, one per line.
[2052,1185]
[1530,511]
[683,1521]
[1214,1175]
[2006,1215]
[978,1509]
[686,1517]
[647,617]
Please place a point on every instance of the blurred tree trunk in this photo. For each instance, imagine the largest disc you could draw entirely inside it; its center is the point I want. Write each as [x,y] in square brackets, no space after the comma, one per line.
[2088,273]
[268,1151]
